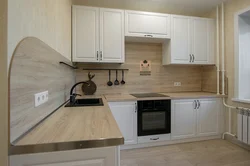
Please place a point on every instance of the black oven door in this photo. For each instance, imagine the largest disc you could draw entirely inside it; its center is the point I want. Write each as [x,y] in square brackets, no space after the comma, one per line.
[154,121]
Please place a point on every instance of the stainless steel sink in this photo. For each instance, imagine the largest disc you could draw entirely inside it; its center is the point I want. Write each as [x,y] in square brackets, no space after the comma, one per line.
[86,102]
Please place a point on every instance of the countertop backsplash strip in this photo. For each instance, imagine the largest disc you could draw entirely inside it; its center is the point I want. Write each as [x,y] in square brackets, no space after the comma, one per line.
[35,68]
[162,78]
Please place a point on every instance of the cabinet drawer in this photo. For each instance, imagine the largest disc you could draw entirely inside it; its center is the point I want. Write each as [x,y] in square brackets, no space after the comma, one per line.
[154,138]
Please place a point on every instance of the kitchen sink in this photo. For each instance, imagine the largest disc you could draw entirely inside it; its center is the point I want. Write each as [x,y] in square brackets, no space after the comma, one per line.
[86,102]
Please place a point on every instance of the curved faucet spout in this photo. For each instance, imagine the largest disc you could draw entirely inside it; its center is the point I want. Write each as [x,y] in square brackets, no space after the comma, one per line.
[72,96]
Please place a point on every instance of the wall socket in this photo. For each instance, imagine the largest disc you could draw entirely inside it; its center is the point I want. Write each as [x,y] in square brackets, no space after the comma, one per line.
[41,98]
[177,83]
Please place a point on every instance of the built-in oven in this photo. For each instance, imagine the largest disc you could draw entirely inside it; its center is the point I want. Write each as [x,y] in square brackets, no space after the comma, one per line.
[154,117]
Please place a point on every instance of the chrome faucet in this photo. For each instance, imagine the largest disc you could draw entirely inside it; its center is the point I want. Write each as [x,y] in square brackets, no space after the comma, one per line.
[73,95]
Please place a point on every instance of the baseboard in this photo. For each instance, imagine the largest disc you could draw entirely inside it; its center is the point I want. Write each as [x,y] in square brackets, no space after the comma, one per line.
[146,145]
[237,142]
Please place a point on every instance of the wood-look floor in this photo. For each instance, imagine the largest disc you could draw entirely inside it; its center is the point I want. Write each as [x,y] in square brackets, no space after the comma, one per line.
[205,153]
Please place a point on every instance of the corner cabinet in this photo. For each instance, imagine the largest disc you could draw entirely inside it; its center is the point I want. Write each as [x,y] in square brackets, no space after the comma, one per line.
[195,118]
[97,35]
[146,24]
[125,114]
[192,41]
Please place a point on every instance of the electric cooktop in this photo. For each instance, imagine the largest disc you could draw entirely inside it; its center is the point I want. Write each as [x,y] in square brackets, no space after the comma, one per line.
[145,95]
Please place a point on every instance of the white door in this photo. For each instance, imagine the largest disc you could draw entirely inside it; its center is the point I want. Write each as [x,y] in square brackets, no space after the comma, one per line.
[212,41]
[146,24]
[85,37]
[105,156]
[200,41]
[112,39]
[183,121]
[208,117]
[125,114]
[180,40]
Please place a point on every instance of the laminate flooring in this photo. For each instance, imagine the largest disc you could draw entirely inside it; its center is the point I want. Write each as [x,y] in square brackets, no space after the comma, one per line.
[204,153]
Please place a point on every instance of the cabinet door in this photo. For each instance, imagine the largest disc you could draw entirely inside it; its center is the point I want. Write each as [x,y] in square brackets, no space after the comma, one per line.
[211,41]
[112,35]
[200,41]
[85,39]
[208,117]
[94,162]
[125,114]
[183,122]
[145,24]
[180,40]
[106,156]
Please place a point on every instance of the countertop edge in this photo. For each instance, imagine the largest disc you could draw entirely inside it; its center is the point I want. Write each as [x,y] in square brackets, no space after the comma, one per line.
[165,98]
[64,146]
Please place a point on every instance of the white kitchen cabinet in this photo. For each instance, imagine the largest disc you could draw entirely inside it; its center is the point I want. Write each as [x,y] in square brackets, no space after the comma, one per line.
[98,35]
[181,39]
[125,114]
[183,119]
[112,35]
[208,117]
[200,41]
[108,156]
[192,41]
[85,39]
[146,24]
[194,118]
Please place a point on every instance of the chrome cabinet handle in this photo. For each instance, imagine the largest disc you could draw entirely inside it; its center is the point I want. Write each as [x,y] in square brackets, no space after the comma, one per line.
[195,104]
[199,104]
[97,55]
[190,58]
[193,57]
[148,35]
[101,55]
[135,107]
[154,139]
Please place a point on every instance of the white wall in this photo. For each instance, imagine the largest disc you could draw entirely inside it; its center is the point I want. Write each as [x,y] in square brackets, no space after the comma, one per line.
[48,20]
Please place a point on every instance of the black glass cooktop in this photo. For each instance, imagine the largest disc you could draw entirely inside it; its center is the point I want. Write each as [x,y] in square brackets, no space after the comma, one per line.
[145,95]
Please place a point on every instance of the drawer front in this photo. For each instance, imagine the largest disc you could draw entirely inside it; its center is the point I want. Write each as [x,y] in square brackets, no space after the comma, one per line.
[154,138]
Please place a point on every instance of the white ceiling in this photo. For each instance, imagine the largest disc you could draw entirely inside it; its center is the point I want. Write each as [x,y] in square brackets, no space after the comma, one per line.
[198,6]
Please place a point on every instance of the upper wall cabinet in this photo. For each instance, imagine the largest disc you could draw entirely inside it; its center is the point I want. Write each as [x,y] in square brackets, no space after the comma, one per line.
[192,41]
[147,25]
[98,35]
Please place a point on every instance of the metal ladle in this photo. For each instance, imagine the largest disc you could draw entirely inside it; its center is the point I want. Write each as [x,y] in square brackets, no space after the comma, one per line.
[116,81]
[110,83]
[123,82]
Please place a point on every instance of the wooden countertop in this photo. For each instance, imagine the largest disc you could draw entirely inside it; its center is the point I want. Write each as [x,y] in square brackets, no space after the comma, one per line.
[71,124]
[179,95]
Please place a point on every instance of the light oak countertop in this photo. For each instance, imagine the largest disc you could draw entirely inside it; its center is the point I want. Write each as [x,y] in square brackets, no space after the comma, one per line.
[73,124]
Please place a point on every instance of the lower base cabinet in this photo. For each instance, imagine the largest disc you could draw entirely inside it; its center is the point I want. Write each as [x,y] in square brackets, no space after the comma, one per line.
[125,114]
[109,156]
[195,118]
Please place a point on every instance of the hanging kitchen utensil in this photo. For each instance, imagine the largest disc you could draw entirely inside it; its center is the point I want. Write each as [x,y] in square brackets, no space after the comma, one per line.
[116,81]
[123,82]
[90,88]
[110,83]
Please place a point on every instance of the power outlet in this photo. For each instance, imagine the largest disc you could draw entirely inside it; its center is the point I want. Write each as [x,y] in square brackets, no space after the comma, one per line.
[177,83]
[41,98]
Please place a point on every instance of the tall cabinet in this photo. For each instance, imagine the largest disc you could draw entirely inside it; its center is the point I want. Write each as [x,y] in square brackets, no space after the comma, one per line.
[98,35]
